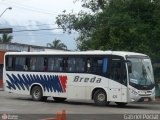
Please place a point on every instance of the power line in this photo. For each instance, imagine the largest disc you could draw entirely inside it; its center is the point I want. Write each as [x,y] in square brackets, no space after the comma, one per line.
[33,25]
[36,29]
[40,35]
[31,9]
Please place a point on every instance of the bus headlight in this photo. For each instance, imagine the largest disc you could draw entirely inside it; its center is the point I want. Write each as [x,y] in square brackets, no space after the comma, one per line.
[132,100]
[134,92]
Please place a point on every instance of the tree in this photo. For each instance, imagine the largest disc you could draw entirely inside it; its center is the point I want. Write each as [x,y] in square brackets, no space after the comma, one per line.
[6,38]
[57,44]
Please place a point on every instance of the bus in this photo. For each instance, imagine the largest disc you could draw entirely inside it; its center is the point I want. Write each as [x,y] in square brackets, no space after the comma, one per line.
[101,76]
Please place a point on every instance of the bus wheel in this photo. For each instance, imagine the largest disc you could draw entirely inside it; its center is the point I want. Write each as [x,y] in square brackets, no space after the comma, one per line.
[121,104]
[100,98]
[58,99]
[36,93]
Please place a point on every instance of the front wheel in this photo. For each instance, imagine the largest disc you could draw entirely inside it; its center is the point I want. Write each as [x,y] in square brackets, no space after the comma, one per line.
[37,93]
[100,98]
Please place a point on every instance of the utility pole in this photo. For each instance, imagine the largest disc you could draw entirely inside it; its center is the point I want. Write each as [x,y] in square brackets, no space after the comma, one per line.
[5,30]
[9,8]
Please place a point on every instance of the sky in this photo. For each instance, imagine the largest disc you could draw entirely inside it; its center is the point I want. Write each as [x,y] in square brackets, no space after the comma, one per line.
[37,14]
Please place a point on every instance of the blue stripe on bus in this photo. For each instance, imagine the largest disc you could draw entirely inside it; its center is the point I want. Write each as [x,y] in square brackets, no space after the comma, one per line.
[50,83]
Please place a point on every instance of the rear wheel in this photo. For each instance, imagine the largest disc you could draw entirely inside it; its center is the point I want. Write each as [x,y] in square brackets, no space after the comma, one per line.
[37,93]
[100,98]
[58,99]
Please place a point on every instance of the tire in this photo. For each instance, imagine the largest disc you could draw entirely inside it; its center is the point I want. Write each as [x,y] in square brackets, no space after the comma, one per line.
[100,98]
[37,94]
[58,99]
[121,104]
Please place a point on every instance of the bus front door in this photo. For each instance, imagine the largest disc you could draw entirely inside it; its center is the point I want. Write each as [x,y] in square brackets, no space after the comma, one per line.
[118,81]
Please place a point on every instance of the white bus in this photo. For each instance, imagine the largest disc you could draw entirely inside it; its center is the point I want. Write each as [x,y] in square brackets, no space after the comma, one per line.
[102,76]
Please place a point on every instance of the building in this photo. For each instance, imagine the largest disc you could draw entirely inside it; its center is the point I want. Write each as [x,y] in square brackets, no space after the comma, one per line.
[24,47]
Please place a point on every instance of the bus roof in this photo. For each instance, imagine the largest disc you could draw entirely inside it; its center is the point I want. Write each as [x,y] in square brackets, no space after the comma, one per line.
[94,52]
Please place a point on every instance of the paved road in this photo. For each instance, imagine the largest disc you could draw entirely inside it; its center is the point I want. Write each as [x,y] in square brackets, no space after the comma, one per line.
[25,108]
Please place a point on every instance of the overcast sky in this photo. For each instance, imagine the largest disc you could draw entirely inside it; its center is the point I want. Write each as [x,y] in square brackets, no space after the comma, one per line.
[30,13]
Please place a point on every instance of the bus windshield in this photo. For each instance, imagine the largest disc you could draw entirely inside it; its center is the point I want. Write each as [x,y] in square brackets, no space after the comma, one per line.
[142,72]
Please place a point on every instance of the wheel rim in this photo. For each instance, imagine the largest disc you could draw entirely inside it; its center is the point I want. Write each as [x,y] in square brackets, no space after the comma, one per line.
[101,97]
[36,93]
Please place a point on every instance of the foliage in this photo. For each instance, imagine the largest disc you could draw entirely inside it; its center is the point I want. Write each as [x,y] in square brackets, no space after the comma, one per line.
[6,38]
[57,44]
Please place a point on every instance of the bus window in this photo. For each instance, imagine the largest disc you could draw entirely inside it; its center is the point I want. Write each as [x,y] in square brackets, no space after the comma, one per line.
[51,63]
[71,65]
[105,66]
[40,64]
[10,63]
[116,71]
[45,64]
[75,64]
[88,65]
[64,65]
[37,63]
[99,66]
[80,65]
[20,62]
[58,66]
[95,66]
[27,64]
[32,63]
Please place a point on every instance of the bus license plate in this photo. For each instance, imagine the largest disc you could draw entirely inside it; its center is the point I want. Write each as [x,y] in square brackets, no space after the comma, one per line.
[146,100]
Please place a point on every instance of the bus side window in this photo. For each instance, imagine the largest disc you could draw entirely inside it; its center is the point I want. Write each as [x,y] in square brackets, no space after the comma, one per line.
[116,71]
[50,64]
[20,62]
[27,64]
[71,64]
[69,68]
[75,64]
[95,65]
[58,66]
[32,63]
[104,67]
[9,63]
[88,65]
[45,64]
[64,64]
[80,65]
